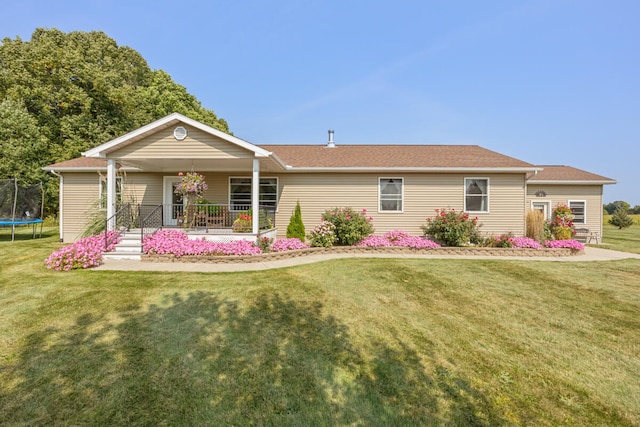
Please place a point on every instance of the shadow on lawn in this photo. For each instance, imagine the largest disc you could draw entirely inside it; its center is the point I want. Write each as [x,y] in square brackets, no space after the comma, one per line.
[200,360]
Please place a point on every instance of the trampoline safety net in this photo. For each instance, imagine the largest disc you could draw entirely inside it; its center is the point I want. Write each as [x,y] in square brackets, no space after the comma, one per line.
[20,204]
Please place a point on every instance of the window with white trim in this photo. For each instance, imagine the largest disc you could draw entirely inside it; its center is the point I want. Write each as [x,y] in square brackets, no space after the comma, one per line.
[579,209]
[390,194]
[102,192]
[476,194]
[240,193]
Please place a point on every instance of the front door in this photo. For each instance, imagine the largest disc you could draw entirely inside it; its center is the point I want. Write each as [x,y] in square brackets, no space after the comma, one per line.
[172,202]
[544,207]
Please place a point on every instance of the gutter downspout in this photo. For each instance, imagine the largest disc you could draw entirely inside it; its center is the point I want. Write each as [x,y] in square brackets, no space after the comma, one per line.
[61,203]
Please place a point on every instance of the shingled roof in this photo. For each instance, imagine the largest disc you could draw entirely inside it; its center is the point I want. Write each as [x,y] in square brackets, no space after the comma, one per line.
[561,174]
[393,157]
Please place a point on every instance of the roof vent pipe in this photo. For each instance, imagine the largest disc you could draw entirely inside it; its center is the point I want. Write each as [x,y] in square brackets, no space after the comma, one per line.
[331,144]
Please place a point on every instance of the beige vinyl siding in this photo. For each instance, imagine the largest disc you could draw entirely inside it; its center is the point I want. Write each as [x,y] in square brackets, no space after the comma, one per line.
[197,145]
[423,193]
[591,194]
[147,188]
[142,188]
[82,190]
[81,193]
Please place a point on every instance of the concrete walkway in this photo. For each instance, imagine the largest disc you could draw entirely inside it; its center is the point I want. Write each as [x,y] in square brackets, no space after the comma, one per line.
[590,254]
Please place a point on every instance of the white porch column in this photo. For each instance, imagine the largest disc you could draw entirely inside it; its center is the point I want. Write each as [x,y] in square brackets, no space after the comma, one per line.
[111,193]
[255,196]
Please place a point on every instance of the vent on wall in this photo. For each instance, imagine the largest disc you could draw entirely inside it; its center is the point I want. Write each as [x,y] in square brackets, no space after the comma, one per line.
[179,133]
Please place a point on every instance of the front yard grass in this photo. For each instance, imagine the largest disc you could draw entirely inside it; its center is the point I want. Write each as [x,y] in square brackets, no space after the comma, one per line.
[626,240]
[346,342]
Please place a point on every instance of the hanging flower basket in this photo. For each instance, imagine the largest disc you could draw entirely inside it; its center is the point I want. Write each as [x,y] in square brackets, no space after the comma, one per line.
[191,187]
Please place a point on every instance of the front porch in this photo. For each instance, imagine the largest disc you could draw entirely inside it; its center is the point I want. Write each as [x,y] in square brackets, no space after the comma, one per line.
[213,222]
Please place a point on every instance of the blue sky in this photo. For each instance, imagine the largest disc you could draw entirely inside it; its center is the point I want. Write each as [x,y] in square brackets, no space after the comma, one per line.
[548,82]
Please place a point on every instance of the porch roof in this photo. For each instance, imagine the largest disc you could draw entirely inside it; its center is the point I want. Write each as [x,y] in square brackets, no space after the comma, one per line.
[560,174]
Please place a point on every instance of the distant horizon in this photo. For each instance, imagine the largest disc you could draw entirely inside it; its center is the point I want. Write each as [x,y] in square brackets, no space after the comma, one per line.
[546,82]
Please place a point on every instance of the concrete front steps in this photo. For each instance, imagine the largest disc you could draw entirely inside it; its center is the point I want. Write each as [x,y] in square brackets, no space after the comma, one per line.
[130,247]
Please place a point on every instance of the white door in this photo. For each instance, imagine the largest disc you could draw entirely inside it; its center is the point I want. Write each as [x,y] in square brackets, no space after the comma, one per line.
[544,207]
[172,202]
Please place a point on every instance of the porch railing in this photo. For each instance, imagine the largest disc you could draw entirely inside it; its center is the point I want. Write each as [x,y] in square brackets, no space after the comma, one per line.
[216,216]
[151,218]
[120,221]
[150,221]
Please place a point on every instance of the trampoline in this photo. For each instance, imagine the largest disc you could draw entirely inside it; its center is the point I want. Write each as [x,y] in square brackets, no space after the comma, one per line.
[21,205]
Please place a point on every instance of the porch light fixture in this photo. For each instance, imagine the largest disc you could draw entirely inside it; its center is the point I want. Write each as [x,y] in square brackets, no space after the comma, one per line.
[180,133]
[541,194]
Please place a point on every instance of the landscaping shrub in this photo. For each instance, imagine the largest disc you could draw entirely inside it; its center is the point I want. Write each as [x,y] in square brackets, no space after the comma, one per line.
[350,226]
[502,241]
[296,226]
[562,223]
[323,235]
[264,243]
[452,228]
[621,218]
[83,253]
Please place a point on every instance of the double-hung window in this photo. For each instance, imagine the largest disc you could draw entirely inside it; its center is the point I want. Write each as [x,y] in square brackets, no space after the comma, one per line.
[240,193]
[390,194]
[579,209]
[102,194]
[476,194]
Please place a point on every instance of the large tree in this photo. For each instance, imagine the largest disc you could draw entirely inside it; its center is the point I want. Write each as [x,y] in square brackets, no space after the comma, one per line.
[63,93]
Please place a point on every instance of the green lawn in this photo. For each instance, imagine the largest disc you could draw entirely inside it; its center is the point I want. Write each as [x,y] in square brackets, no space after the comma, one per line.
[626,240]
[346,342]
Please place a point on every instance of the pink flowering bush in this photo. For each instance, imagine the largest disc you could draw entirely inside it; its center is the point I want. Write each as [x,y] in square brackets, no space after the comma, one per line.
[452,228]
[289,244]
[83,253]
[350,226]
[570,244]
[177,243]
[323,235]
[398,238]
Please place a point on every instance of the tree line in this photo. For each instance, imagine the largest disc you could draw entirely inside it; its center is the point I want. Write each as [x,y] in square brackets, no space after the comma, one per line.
[611,208]
[64,93]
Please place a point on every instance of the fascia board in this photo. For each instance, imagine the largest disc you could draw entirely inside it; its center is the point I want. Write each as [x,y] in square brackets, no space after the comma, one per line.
[89,169]
[103,150]
[408,169]
[571,182]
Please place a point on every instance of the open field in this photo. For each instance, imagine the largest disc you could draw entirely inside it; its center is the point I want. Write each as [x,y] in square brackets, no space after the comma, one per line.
[346,342]
[626,240]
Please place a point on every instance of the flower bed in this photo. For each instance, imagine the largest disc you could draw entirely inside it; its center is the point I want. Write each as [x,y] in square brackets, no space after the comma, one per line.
[178,244]
[175,246]
[372,250]
[83,253]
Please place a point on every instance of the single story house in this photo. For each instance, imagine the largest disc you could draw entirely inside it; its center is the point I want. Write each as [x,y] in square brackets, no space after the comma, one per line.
[398,185]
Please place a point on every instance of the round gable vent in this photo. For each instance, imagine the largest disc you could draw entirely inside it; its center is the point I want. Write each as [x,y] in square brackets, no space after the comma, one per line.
[179,133]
